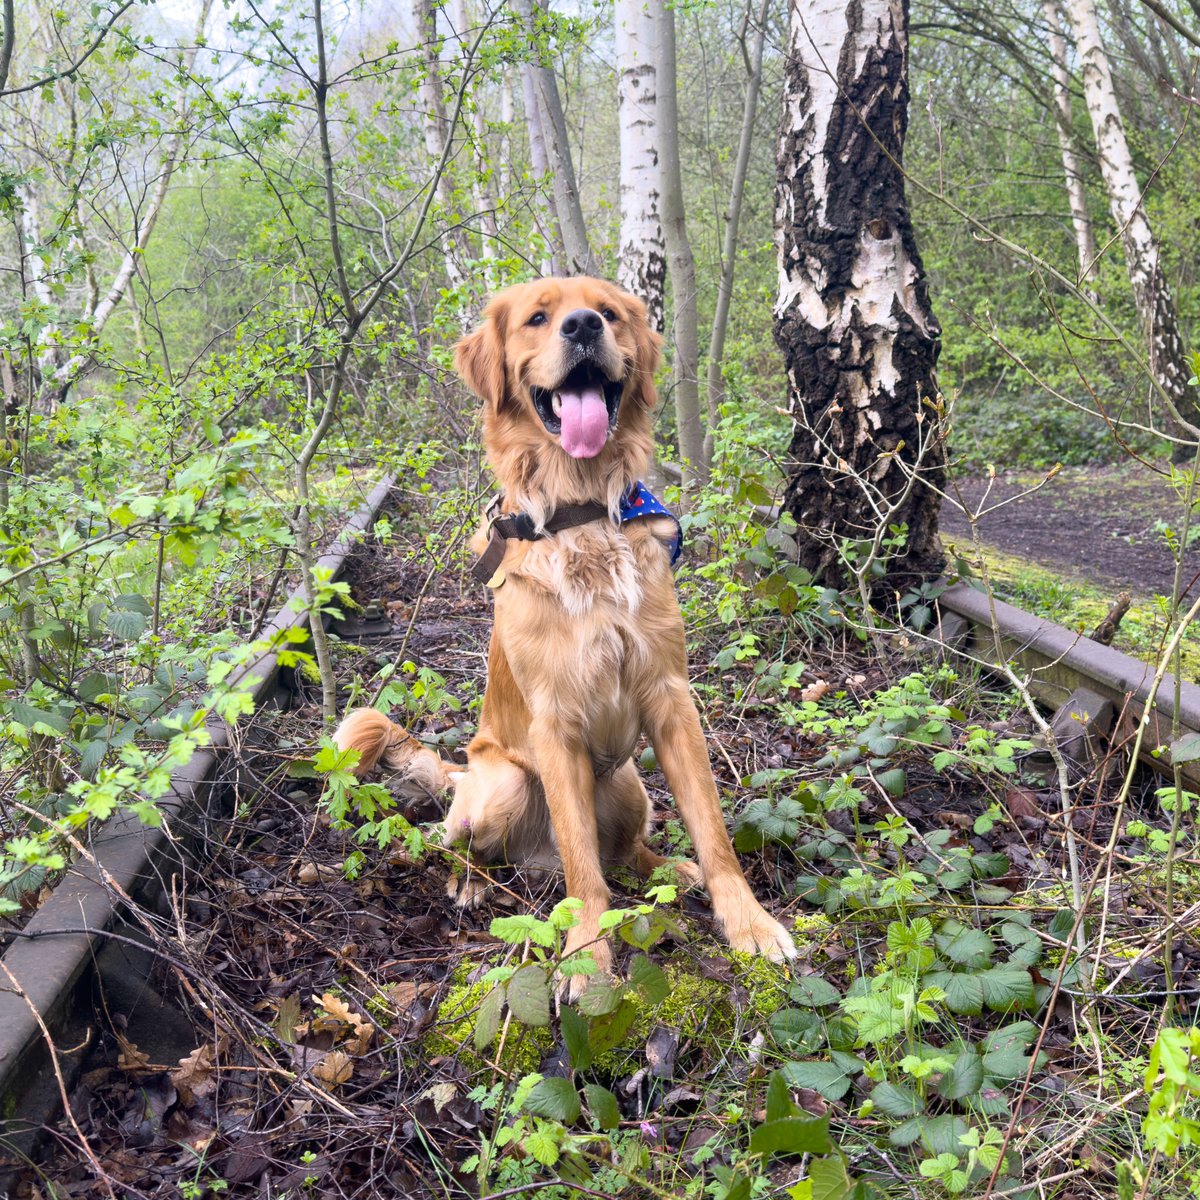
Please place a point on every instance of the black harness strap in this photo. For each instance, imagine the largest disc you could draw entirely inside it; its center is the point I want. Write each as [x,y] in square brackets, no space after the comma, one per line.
[521,527]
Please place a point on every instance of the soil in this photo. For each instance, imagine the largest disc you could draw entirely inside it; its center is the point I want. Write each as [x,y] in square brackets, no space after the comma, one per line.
[1101,524]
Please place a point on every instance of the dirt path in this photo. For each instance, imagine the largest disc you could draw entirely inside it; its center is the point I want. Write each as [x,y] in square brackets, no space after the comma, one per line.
[1098,523]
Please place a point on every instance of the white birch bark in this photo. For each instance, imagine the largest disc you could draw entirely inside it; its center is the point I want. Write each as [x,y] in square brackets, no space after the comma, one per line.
[1151,292]
[853,316]
[641,252]
[543,208]
[681,265]
[1081,221]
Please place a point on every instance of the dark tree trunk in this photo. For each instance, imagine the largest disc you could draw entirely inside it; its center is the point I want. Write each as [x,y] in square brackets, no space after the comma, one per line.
[853,317]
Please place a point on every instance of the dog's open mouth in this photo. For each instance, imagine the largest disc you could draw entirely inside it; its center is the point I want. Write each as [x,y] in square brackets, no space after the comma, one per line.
[581,411]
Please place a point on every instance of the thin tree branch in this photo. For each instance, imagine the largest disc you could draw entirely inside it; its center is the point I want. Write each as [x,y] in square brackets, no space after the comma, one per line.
[66,72]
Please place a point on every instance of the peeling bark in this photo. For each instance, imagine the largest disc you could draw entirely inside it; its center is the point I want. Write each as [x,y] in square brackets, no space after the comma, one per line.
[853,317]
[641,254]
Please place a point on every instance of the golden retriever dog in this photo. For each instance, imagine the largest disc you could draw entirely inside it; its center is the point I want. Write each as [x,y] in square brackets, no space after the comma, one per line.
[587,649]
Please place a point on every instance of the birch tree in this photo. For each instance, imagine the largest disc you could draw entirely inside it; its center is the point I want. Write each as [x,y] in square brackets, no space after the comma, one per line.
[1081,221]
[716,345]
[641,255]
[681,265]
[1151,292]
[543,106]
[853,317]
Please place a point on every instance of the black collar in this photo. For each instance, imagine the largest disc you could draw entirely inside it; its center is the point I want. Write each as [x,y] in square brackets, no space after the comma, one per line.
[520,526]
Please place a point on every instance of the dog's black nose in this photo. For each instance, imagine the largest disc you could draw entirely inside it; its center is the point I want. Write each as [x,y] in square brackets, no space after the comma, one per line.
[583,326]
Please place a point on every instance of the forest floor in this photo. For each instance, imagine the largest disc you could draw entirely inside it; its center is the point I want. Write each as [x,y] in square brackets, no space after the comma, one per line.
[1100,524]
[327,1047]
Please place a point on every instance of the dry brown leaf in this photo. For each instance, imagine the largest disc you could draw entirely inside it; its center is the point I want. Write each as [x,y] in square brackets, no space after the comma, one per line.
[131,1058]
[196,1075]
[334,1069]
[311,872]
[815,691]
[440,1094]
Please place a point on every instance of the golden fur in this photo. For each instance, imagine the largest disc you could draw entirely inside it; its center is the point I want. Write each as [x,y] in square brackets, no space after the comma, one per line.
[587,649]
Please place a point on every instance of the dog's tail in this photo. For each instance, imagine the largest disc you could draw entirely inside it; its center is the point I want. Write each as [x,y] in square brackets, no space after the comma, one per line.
[379,740]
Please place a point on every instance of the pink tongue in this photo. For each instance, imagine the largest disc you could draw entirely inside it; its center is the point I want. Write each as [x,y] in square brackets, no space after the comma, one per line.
[584,422]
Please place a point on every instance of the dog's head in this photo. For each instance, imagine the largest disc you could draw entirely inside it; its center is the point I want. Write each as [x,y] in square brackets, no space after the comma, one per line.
[566,365]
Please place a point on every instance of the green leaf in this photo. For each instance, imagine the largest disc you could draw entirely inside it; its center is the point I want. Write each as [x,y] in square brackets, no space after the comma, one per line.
[523,927]
[964,992]
[813,991]
[779,1098]
[529,995]
[554,1098]
[968,947]
[127,626]
[542,1145]
[600,996]
[577,1037]
[609,1029]
[603,1105]
[1007,987]
[796,1031]
[792,1135]
[893,781]
[831,1080]
[99,683]
[38,720]
[131,602]
[829,1178]
[941,1134]
[1186,749]
[487,1019]
[650,980]
[963,1079]
[896,1100]
[92,756]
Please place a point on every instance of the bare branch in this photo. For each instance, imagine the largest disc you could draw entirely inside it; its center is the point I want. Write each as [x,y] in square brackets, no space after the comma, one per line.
[67,72]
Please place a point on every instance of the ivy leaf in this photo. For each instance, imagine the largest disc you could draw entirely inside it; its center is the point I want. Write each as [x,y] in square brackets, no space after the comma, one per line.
[603,1105]
[554,1098]
[529,995]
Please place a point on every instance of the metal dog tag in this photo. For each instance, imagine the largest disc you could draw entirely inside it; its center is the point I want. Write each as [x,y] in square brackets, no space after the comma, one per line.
[498,579]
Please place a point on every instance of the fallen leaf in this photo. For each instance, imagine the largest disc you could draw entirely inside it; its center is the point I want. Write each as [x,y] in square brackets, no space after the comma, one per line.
[311,872]
[196,1075]
[334,1069]
[815,691]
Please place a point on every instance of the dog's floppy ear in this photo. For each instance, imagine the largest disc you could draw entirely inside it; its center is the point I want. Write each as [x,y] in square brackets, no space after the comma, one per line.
[649,344]
[479,357]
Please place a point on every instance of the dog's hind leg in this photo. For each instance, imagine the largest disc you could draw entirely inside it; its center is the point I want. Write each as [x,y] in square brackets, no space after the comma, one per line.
[498,816]
[623,817]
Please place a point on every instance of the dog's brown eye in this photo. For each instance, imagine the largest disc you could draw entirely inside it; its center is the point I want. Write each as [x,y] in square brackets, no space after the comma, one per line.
[608,314]
[538,318]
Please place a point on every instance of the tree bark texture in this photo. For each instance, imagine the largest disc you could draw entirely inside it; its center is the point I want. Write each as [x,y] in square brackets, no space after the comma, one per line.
[682,267]
[1151,292]
[1081,221]
[542,87]
[641,255]
[715,387]
[853,317]
[437,132]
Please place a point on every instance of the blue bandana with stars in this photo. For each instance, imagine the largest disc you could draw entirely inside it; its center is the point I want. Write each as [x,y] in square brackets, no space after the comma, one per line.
[640,501]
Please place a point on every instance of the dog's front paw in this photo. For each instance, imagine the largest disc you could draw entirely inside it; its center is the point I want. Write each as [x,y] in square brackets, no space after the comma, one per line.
[759,933]
[467,891]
